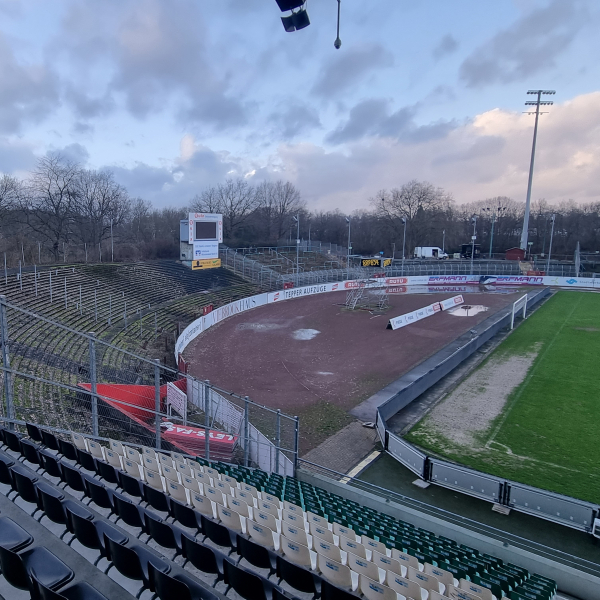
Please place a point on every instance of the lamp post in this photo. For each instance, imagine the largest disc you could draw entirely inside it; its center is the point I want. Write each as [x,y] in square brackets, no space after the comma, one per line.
[473,238]
[349,245]
[537,103]
[552,218]
[495,216]
[403,244]
[297,219]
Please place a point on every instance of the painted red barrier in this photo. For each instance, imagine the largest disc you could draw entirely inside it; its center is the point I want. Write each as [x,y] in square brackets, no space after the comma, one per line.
[137,402]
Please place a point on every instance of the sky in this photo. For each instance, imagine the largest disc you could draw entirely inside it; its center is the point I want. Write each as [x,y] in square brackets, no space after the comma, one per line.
[174,96]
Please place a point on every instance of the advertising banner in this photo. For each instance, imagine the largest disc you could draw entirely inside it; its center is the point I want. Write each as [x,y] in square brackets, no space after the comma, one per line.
[177,400]
[206,249]
[206,263]
[451,302]
[453,280]
[414,316]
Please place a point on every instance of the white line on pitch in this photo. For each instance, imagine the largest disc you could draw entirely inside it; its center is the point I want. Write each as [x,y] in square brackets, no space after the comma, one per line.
[360,466]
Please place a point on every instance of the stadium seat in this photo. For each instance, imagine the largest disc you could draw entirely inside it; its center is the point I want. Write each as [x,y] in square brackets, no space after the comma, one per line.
[335,572]
[132,562]
[373,590]
[256,555]
[164,534]
[300,579]
[78,591]
[177,587]
[247,584]
[49,570]
[12,536]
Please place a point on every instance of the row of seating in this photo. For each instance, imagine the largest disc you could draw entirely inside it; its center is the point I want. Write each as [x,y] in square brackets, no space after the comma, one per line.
[136,562]
[219,476]
[384,569]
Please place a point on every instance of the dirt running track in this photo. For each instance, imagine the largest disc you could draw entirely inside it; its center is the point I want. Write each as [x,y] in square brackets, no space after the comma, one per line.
[304,353]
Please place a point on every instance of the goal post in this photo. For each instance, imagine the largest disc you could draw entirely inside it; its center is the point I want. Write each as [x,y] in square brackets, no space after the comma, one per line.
[520,304]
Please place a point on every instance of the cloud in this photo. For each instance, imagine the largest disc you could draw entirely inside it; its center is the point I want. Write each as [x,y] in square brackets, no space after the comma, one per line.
[531,45]
[28,91]
[447,45]
[350,67]
[373,118]
[293,119]
[72,152]
[16,157]
[156,55]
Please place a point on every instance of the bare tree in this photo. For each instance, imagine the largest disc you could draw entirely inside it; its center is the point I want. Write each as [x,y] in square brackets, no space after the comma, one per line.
[278,201]
[100,202]
[49,202]
[10,192]
[235,199]
[419,203]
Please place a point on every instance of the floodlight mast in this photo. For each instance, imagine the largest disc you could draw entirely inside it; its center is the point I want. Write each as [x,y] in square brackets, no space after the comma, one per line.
[539,102]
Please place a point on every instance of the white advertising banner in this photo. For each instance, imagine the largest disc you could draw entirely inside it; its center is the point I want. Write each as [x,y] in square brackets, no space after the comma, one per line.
[177,400]
[195,328]
[451,302]
[310,290]
[414,316]
[206,249]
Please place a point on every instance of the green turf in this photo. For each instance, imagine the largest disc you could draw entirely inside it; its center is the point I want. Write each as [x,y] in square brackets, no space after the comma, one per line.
[551,422]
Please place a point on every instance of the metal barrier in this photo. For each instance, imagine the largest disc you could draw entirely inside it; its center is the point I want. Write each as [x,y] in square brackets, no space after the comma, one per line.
[54,375]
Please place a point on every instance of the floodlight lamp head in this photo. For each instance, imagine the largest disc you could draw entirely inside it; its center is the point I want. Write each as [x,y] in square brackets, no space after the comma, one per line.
[347,219]
[404,220]
[337,44]
[295,218]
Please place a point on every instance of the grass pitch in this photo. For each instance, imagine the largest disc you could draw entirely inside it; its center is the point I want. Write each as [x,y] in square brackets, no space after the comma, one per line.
[547,433]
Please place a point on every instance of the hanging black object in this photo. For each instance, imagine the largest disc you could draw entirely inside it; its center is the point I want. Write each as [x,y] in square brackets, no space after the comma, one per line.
[300,19]
[288,23]
[289,5]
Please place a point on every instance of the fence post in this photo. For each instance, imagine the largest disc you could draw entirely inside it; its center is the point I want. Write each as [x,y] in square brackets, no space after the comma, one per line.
[35,278]
[296,444]
[93,383]
[277,441]
[50,279]
[207,420]
[157,401]
[20,277]
[8,383]
[246,429]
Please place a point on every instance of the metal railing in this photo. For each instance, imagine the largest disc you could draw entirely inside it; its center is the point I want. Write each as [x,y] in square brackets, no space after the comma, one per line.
[57,376]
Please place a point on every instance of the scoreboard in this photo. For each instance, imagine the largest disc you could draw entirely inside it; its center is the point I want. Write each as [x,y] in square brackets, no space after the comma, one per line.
[205,231]
[375,262]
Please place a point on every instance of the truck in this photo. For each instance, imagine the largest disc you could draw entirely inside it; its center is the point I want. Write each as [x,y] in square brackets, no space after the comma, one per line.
[429,252]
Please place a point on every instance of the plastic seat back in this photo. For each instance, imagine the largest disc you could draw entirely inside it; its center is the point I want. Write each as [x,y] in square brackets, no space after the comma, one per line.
[79,441]
[214,494]
[349,545]
[335,572]
[203,504]
[372,544]
[192,484]
[429,582]
[260,534]
[150,462]
[405,559]
[373,590]
[177,491]
[322,532]
[184,468]
[444,576]
[96,450]
[239,506]
[296,553]
[316,519]
[340,530]
[114,459]
[327,549]
[133,454]
[409,589]
[266,519]
[229,518]
[170,473]
[363,566]
[294,533]
[117,447]
[472,588]
[154,480]
[385,562]
[133,468]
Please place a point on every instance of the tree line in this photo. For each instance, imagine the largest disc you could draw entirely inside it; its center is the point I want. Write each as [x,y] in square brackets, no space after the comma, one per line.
[61,212]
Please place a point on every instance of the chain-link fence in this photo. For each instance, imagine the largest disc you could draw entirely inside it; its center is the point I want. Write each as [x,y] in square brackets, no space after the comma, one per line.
[55,376]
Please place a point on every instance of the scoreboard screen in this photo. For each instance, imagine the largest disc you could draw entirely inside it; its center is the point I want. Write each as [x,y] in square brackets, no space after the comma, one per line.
[206,230]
